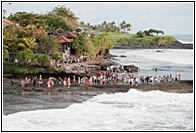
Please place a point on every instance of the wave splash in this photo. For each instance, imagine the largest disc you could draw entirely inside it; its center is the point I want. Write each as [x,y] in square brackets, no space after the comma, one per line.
[134,110]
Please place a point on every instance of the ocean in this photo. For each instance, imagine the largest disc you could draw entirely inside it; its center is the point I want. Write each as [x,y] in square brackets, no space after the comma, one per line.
[131,111]
[168,61]
[184,38]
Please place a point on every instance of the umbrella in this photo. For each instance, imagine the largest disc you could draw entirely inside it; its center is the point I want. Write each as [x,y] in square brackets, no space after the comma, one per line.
[78,29]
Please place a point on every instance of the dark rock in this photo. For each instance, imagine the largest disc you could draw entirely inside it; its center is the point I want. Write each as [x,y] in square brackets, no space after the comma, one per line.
[131,68]
[123,56]
[173,45]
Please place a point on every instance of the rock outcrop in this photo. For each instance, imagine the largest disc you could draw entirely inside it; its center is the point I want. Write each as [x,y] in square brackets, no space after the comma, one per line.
[131,68]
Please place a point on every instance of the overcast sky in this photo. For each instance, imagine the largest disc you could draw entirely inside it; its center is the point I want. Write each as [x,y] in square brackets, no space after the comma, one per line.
[172,18]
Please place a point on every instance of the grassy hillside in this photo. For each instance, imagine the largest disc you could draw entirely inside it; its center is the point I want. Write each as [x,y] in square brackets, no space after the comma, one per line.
[135,40]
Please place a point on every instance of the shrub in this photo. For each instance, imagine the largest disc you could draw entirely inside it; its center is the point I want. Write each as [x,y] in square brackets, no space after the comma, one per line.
[56,56]
[5,54]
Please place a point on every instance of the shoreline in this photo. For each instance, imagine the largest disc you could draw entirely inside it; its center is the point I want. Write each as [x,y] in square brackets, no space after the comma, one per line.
[17,99]
[171,46]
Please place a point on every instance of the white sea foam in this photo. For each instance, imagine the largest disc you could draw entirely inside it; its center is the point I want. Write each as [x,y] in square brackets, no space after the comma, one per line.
[185,42]
[133,110]
[178,56]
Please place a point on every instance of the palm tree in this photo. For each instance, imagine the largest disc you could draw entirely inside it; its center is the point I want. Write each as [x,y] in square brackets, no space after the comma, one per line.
[159,31]
[122,25]
[29,42]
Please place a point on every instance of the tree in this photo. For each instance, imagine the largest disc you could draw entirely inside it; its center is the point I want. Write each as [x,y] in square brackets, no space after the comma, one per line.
[140,33]
[54,21]
[43,60]
[29,42]
[80,44]
[5,54]
[56,56]
[48,45]
[122,25]
[64,12]
[159,31]
[25,18]
[128,26]
[25,55]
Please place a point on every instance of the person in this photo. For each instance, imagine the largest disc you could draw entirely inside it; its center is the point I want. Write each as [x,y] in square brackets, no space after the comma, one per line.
[136,81]
[176,77]
[150,80]
[60,80]
[78,79]
[34,81]
[132,81]
[69,83]
[179,75]
[147,79]
[40,82]
[40,77]
[74,78]
[12,81]
[22,83]
[48,84]
[64,82]
[26,80]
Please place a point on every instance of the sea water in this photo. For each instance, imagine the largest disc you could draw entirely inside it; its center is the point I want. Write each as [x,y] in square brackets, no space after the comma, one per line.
[184,38]
[134,110]
[168,61]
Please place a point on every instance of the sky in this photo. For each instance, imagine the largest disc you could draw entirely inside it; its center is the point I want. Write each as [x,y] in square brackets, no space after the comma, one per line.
[171,17]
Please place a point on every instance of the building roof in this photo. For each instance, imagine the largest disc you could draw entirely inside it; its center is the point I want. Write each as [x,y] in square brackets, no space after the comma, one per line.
[40,30]
[64,39]
[30,26]
[69,34]
[7,22]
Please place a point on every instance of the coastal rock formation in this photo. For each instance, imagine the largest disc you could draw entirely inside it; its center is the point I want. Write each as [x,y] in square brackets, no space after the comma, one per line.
[131,68]
[173,45]
[123,56]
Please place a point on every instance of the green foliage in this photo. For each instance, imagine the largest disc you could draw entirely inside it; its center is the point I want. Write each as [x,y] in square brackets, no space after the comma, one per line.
[48,45]
[18,68]
[125,26]
[80,44]
[95,41]
[17,39]
[5,54]
[25,55]
[149,32]
[43,59]
[26,18]
[139,40]
[56,56]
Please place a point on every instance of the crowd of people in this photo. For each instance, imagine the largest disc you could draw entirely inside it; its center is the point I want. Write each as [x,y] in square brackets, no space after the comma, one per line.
[101,78]
[77,60]
[30,80]
[159,79]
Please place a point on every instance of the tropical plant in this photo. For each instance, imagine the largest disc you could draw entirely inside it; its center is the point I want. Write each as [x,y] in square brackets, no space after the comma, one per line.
[43,60]
[48,45]
[80,44]
[5,54]
[25,55]
[56,56]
